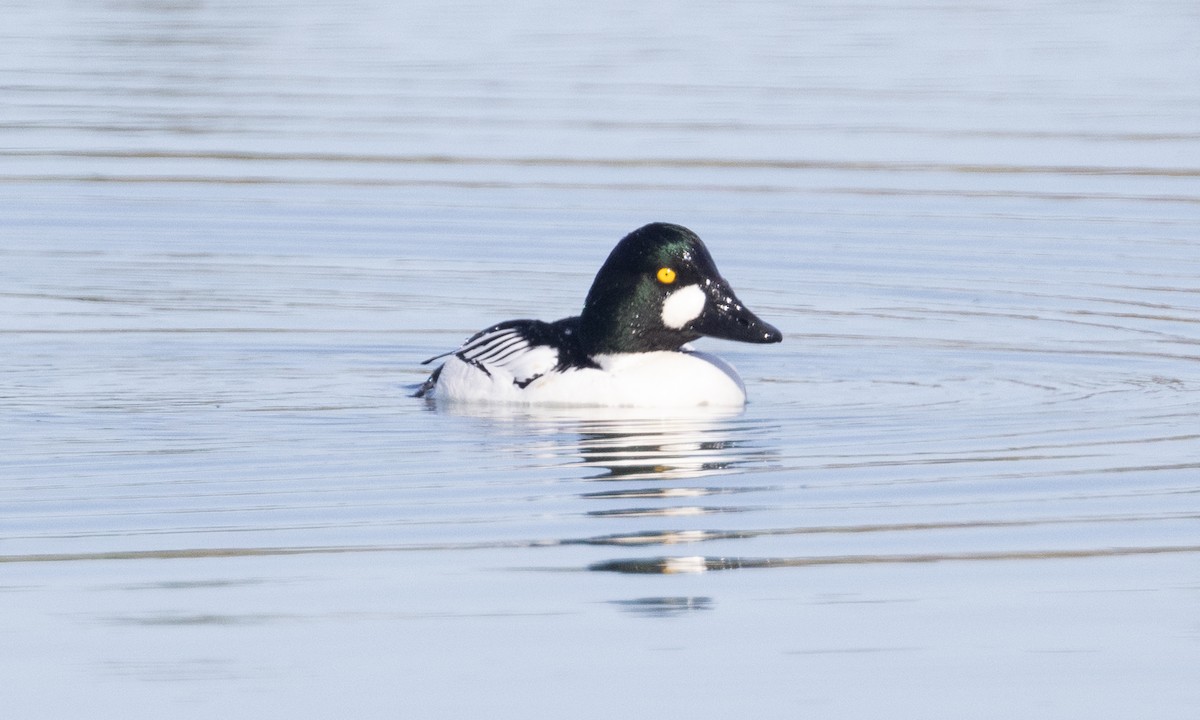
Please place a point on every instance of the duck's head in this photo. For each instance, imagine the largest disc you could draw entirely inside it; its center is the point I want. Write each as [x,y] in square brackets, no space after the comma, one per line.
[660,289]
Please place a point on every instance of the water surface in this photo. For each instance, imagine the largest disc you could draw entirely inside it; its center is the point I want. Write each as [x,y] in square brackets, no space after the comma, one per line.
[966,483]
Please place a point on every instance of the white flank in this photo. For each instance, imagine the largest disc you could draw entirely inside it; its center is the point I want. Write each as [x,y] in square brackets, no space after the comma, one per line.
[683,306]
[464,381]
[662,379]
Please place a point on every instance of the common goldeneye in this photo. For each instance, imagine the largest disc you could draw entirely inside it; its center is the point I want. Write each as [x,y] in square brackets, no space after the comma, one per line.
[658,291]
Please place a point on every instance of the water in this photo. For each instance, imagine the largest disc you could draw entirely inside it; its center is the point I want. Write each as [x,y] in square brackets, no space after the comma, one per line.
[965,484]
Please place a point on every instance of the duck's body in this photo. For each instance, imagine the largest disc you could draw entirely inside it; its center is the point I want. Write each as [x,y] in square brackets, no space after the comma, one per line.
[658,290]
[498,366]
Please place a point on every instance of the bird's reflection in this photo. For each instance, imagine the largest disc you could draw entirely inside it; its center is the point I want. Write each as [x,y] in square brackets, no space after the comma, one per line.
[629,444]
[665,606]
[663,466]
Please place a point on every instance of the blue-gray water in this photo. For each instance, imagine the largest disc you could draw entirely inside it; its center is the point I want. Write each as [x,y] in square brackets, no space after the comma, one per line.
[966,485]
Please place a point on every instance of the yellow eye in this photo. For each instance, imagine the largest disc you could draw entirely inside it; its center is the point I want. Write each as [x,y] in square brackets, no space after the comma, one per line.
[666,275]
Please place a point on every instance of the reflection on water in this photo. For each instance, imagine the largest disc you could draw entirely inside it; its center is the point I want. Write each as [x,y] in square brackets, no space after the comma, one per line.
[665,606]
[671,449]
[628,444]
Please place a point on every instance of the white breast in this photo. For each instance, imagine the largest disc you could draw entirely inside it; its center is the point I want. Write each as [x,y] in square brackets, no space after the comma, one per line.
[655,379]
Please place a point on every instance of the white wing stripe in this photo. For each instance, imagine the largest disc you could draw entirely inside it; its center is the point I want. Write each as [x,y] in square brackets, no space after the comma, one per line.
[492,350]
[506,355]
[485,340]
[500,357]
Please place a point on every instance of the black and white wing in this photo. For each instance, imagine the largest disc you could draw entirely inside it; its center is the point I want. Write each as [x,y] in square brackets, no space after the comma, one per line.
[521,349]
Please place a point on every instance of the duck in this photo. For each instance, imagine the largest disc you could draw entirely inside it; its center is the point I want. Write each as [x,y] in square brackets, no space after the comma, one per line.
[658,291]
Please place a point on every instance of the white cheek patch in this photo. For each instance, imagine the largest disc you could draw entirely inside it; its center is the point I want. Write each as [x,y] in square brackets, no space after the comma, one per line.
[683,306]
